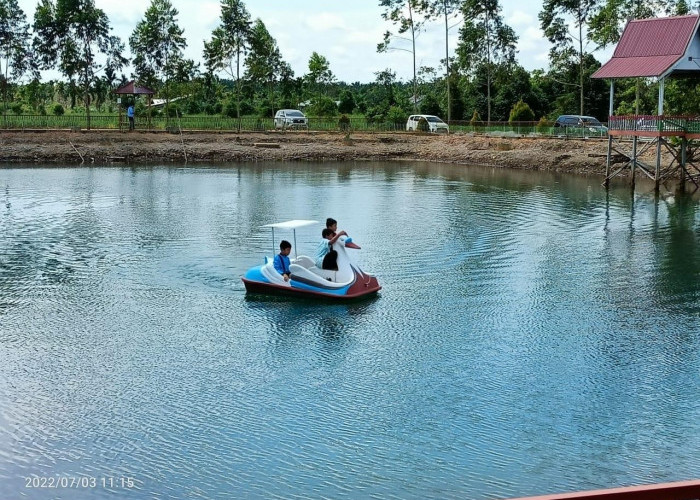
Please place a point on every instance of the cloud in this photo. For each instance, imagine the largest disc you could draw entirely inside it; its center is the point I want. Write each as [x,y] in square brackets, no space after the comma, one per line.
[519,18]
[324,21]
[346,33]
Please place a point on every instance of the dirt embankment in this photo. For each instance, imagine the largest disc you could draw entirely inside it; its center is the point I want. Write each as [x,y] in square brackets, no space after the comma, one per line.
[101,147]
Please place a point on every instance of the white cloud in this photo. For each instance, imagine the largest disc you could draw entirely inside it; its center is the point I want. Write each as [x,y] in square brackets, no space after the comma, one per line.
[519,18]
[324,22]
[345,33]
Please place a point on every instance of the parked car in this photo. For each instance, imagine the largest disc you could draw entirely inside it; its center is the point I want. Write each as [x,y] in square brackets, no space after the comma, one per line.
[290,118]
[581,123]
[435,124]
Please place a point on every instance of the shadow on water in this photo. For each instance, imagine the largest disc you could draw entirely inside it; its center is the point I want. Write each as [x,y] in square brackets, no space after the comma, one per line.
[326,318]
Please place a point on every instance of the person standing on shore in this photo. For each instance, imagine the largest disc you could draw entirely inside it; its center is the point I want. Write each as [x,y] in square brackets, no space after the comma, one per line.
[130,115]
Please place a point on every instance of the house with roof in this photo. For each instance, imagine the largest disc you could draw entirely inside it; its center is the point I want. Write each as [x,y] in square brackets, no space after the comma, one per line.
[658,48]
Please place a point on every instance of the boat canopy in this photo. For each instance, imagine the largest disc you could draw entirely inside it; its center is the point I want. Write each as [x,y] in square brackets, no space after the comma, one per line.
[291,224]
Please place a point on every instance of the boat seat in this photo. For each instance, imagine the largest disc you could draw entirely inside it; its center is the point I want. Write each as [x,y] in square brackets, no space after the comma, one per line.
[304,261]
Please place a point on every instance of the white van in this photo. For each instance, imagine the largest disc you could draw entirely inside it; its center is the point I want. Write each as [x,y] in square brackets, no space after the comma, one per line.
[435,124]
[290,118]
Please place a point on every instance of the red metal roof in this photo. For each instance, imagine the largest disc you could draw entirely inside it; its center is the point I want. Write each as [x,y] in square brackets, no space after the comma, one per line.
[132,88]
[649,47]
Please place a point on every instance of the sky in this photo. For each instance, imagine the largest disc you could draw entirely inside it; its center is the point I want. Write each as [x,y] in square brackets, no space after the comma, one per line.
[344,32]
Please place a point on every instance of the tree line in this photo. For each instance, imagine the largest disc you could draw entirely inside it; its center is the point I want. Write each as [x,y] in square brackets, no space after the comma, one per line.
[242,71]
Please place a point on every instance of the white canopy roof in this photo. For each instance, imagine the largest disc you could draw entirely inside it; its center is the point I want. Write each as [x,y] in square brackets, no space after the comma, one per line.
[291,224]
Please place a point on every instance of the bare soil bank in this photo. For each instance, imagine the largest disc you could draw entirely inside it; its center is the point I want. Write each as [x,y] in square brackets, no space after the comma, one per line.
[585,156]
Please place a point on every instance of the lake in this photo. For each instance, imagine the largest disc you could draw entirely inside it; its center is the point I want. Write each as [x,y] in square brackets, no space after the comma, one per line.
[534,334]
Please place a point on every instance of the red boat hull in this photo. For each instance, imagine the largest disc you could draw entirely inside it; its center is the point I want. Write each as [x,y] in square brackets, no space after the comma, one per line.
[361,288]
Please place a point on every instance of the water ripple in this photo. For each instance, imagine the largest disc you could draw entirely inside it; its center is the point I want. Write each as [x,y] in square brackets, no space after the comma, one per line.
[534,334]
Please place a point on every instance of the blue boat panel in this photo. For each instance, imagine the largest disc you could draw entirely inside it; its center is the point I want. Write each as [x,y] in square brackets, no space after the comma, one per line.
[255,274]
[304,286]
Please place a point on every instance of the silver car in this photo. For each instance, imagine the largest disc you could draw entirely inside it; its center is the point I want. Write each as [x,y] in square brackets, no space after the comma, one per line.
[290,118]
[434,124]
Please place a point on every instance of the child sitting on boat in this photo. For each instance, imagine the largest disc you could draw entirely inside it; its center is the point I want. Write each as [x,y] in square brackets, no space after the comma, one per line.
[326,257]
[281,261]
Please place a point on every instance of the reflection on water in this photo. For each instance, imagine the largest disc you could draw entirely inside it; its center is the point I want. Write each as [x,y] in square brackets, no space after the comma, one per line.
[535,334]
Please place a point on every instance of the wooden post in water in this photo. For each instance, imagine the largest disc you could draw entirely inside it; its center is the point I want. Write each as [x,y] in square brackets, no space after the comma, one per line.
[684,160]
[634,160]
[657,169]
[659,127]
[609,155]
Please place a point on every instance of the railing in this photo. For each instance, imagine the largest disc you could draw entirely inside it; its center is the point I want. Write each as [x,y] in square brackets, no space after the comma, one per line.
[528,129]
[186,123]
[681,490]
[655,124]
[248,124]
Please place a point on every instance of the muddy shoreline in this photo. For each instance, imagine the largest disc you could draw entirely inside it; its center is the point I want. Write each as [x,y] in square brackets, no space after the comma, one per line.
[581,156]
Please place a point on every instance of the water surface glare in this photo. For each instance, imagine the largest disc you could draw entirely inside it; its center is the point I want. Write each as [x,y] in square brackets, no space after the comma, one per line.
[535,334]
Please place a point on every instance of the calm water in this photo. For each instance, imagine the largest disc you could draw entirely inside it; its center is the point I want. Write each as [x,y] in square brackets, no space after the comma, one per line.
[534,335]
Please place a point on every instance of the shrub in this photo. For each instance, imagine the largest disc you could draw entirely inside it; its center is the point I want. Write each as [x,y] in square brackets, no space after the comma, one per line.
[430,105]
[543,125]
[247,108]
[324,106]
[16,108]
[347,102]
[42,110]
[476,119]
[422,125]
[230,109]
[173,110]
[58,110]
[344,123]
[521,112]
[192,107]
[397,116]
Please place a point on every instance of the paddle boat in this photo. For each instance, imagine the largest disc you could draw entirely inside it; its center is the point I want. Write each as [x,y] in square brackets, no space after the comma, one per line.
[307,280]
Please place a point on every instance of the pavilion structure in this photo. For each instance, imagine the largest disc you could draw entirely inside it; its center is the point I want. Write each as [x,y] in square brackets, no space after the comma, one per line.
[134,90]
[658,48]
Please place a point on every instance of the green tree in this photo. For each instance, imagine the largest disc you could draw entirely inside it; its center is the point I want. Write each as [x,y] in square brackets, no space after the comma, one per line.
[347,102]
[565,96]
[319,74]
[74,36]
[446,9]
[230,42]
[404,13]
[485,40]
[555,19]
[381,96]
[264,61]
[14,44]
[323,106]
[607,23]
[36,94]
[430,105]
[157,43]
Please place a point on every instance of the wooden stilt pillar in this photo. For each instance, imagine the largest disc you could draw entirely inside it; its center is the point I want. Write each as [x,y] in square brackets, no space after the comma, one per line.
[607,162]
[684,161]
[634,161]
[610,139]
[660,110]
[657,170]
